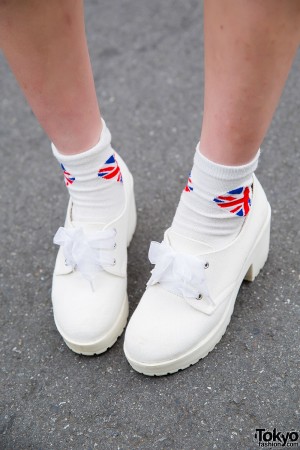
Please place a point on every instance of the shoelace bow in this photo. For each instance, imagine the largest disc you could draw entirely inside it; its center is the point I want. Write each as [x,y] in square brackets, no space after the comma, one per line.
[86,253]
[180,273]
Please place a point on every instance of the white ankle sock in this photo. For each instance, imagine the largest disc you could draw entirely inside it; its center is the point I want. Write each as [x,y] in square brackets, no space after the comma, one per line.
[94,181]
[215,201]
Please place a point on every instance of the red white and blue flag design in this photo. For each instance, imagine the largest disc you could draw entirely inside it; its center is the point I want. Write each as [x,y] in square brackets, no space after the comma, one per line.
[68,177]
[110,170]
[237,201]
[189,185]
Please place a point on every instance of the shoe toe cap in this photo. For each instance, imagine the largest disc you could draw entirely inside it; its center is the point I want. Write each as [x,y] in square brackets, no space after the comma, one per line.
[163,328]
[83,315]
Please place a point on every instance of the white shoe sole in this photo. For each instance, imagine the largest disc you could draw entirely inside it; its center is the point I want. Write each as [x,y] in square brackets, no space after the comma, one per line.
[252,266]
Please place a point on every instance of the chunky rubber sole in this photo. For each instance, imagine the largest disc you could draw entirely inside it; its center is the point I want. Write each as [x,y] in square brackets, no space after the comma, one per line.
[251,268]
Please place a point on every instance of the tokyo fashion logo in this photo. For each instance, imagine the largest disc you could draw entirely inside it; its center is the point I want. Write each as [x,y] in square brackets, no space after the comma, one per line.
[274,438]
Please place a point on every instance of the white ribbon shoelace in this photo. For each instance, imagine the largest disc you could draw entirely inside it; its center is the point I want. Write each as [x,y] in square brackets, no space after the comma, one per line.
[89,254]
[179,273]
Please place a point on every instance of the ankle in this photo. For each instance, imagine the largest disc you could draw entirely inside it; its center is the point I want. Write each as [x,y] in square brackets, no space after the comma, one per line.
[74,143]
[94,181]
[218,199]
[229,147]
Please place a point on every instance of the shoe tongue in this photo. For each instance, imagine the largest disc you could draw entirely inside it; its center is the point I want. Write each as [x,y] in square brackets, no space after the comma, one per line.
[88,227]
[183,244]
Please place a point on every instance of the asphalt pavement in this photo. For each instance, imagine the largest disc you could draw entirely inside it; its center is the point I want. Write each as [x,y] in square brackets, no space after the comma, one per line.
[148,65]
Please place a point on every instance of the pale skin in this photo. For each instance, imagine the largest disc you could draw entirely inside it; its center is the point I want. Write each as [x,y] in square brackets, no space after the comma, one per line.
[249,49]
[45,45]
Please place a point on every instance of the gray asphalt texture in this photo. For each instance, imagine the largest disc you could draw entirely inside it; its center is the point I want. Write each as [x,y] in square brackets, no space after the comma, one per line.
[148,64]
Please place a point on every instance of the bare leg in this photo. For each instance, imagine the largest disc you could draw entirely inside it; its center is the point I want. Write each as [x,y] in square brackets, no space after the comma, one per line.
[45,45]
[249,49]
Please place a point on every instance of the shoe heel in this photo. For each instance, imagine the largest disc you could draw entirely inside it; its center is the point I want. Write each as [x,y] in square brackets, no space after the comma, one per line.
[260,254]
[132,220]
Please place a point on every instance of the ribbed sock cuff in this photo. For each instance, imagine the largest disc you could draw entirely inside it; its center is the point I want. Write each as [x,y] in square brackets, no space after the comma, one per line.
[222,172]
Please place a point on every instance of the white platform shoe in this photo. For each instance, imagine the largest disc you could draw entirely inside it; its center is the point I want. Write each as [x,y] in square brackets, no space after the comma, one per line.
[191,295]
[89,291]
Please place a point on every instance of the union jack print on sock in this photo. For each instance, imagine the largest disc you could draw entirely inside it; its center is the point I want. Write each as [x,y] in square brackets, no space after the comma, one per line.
[237,201]
[189,185]
[110,170]
[68,177]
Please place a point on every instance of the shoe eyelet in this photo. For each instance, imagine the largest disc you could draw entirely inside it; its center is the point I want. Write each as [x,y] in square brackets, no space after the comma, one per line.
[114,262]
[206,265]
[115,245]
[200,296]
[66,263]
